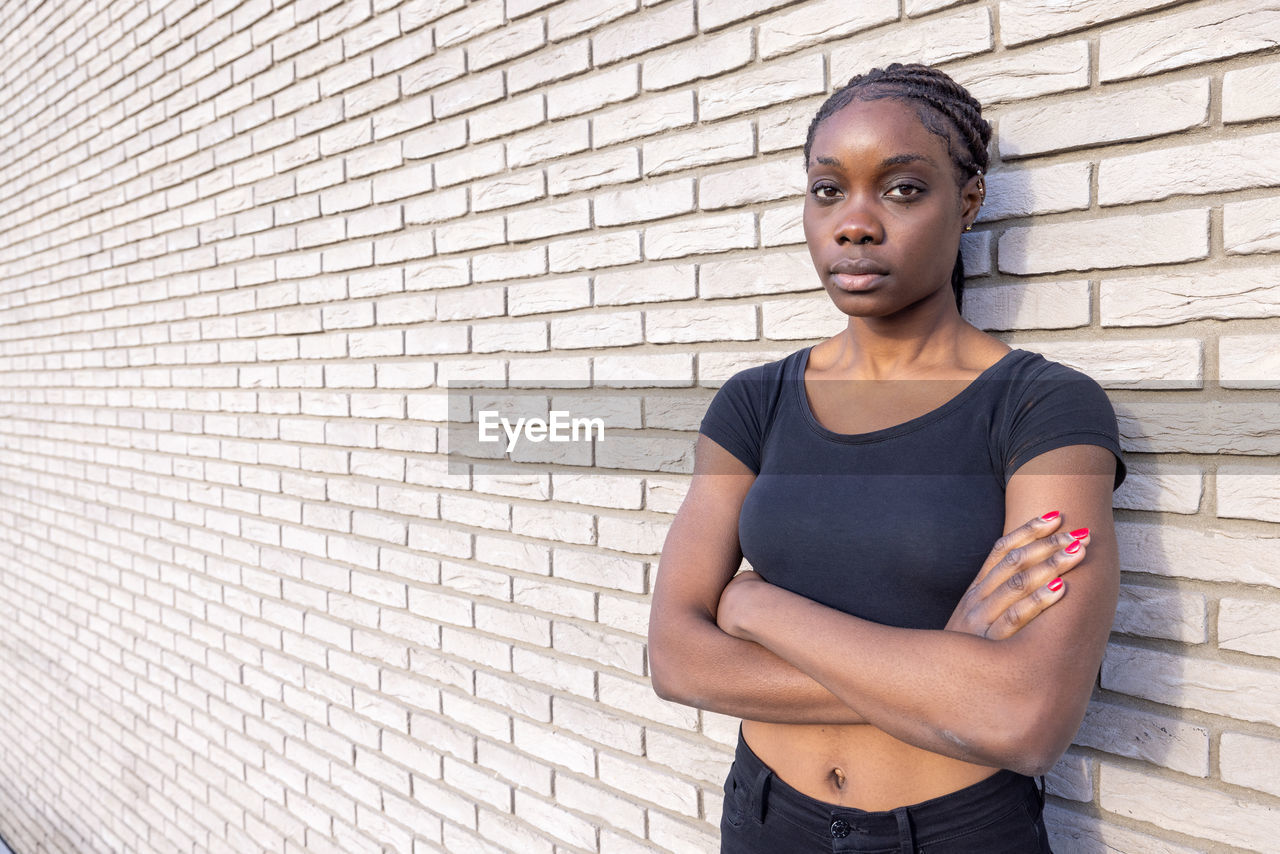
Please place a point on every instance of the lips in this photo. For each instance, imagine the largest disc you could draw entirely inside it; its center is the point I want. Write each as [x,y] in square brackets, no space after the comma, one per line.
[858,267]
[856,274]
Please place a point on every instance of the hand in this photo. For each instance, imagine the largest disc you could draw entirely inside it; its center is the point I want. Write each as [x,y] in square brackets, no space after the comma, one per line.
[734,602]
[1020,579]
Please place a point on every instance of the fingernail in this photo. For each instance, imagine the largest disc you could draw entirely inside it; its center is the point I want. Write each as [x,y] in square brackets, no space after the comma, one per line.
[1080,533]
[1073,548]
[1055,585]
[1049,517]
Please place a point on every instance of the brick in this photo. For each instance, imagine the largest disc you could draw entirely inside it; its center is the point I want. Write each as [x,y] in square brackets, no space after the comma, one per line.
[644,117]
[603,249]
[915,8]
[713,14]
[1037,190]
[554,821]
[549,295]
[813,23]
[644,370]
[774,272]
[507,117]
[511,40]
[1251,93]
[1153,612]
[775,179]
[1189,36]
[518,264]
[468,22]
[1242,693]
[1149,363]
[589,797]
[1027,20]
[1251,227]
[1076,833]
[602,648]
[704,235]
[1249,361]
[1178,296]
[1071,778]
[1038,305]
[467,94]
[1103,119]
[511,188]
[1022,75]
[647,201]
[1249,625]
[798,318]
[521,770]
[714,144]
[1139,734]
[521,337]
[545,220]
[668,23]
[1199,812]
[763,86]
[1234,163]
[579,16]
[648,782]
[555,598]
[707,57]
[548,66]
[689,755]
[1205,427]
[621,492]
[469,164]
[696,323]
[649,284]
[1250,760]
[609,167]
[1213,555]
[1168,489]
[584,95]
[597,330]
[932,41]
[594,723]
[551,745]
[1122,241]
[1248,493]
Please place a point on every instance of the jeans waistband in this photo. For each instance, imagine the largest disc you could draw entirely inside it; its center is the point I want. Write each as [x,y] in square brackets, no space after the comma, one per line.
[914,824]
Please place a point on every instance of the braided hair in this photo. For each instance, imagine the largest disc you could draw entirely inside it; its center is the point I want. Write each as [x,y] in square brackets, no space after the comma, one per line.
[945,108]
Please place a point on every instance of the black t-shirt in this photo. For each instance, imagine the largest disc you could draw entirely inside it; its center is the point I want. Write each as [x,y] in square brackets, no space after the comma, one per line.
[893,525]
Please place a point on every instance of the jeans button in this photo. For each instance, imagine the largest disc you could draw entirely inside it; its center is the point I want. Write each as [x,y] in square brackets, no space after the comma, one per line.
[839,828]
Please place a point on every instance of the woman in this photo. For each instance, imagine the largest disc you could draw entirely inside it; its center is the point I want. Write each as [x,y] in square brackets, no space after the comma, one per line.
[900,681]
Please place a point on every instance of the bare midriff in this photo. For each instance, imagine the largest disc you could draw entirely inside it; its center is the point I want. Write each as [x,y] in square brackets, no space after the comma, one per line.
[857,765]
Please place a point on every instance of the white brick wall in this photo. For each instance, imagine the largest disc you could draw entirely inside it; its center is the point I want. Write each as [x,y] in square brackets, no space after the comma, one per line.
[246,248]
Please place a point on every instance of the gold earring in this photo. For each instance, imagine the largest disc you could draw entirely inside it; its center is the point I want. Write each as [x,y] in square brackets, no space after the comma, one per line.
[969,227]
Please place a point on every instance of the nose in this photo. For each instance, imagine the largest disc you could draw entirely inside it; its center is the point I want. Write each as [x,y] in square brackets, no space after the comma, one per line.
[858,224]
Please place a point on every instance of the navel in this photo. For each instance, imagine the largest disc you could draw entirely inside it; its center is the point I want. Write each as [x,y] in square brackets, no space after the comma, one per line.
[837,778]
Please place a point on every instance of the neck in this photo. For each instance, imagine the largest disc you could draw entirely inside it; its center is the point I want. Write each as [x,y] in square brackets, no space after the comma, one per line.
[927,334]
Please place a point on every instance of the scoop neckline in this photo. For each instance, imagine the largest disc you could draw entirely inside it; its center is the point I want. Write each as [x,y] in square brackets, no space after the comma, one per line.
[908,426]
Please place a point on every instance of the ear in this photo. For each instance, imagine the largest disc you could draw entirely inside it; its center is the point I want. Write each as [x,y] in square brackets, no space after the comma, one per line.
[972,195]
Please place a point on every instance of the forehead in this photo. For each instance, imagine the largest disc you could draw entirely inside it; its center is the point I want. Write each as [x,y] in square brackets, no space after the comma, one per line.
[882,127]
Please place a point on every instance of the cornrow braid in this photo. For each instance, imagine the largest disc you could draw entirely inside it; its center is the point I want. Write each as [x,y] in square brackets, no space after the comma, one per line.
[948,110]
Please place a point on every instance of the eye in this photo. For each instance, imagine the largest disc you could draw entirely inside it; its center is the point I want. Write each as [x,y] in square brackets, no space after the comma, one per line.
[905,191]
[825,191]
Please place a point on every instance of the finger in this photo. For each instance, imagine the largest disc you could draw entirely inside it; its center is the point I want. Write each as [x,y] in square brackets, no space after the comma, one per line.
[1024,557]
[1028,582]
[1026,609]
[1028,532]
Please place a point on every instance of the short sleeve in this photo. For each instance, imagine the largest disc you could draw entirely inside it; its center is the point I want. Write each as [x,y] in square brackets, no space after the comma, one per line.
[734,420]
[1061,407]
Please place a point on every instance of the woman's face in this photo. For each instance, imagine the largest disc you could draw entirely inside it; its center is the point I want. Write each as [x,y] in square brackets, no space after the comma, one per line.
[883,212]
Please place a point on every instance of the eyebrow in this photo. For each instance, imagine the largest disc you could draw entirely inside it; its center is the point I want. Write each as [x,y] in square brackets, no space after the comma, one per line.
[895,160]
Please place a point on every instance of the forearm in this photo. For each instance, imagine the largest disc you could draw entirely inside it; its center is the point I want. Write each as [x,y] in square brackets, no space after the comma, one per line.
[955,694]
[695,663]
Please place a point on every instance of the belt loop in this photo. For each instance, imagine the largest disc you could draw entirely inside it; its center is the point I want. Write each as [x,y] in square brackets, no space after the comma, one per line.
[905,840]
[759,795]
[1040,792]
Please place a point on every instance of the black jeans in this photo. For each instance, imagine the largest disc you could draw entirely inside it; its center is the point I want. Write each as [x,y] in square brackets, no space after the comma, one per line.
[763,815]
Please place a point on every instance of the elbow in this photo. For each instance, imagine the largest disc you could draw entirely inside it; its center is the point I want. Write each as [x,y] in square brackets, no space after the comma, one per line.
[1033,747]
[665,672]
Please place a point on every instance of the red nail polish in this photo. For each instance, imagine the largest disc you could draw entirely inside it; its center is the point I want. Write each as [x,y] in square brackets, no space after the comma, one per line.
[1049,517]
[1055,585]
[1073,548]
[1080,533]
